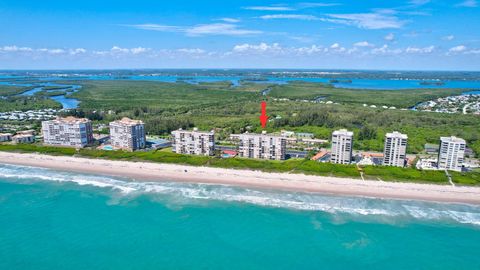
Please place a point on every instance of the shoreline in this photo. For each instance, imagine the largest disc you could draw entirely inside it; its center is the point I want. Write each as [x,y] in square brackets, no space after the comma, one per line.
[161,172]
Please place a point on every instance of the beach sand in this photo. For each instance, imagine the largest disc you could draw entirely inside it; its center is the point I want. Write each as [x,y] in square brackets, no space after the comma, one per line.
[144,171]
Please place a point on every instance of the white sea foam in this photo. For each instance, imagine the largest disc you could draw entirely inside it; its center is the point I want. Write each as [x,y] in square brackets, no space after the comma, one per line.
[186,192]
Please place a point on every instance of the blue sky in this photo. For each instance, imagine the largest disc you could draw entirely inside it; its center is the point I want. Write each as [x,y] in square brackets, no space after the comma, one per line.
[366,34]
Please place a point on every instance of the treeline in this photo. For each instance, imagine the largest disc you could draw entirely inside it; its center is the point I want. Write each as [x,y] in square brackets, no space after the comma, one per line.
[166,125]
[79,113]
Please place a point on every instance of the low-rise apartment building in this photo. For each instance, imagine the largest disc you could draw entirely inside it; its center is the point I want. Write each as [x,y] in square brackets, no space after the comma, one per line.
[27,136]
[5,137]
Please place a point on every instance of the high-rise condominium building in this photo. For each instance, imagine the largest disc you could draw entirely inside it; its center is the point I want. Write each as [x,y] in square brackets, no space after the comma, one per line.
[69,131]
[342,146]
[262,146]
[193,142]
[451,153]
[395,149]
[127,134]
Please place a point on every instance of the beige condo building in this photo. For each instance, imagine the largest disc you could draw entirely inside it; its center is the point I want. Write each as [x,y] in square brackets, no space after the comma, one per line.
[395,149]
[127,134]
[193,142]
[69,131]
[342,146]
[262,146]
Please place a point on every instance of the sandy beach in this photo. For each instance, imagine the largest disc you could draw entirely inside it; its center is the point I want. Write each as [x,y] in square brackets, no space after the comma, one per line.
[143,171]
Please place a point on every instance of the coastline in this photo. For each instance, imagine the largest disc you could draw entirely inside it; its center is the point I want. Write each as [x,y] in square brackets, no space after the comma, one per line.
[160,172]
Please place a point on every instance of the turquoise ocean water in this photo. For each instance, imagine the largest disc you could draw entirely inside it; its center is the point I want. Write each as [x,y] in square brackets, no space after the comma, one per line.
[59,220]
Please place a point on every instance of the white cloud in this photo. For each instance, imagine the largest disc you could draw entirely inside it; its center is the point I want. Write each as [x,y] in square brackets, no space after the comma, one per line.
[229,20]
[473,51]
[77,51]
[363,44]
[424,50]
[468,3]
[385,50]
[192,51]
[271,50]
[116,49]
[227,29]
[449,37]
[389,37]
[458,49]
[290,16]
[139,50]
[335,46]
[314,5]
[15,49]
[269,8]
[156,27]
[367,20]
[219,29]
[419,2]
[260,48]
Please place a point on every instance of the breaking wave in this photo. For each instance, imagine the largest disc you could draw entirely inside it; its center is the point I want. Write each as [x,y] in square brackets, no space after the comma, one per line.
[357,206]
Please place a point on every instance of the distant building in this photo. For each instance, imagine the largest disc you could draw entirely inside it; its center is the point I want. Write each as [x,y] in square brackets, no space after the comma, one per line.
[69,131]
[127,134]
[5,137]
[431,148]
[193,142]
[395,149]
[451,154]
[287,133]
[370,158]
[342,146]
[262,146]
[27,136]
[304,135]
[427,164]
[320,155]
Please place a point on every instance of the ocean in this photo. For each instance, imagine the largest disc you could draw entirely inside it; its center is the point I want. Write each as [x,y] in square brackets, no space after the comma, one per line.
[60,220]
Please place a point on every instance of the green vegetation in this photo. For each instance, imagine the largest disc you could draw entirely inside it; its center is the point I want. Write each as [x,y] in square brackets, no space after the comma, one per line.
[292,166]
[398,98]
[25,103]
[51,93]
[49,88]
[167,106]
[8,90]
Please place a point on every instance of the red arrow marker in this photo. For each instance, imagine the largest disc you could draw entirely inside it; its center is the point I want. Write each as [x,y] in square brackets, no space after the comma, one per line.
[263,116]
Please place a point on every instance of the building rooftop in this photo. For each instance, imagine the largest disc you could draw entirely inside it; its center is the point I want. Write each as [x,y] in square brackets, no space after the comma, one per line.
[195,130]
[23,135]
[128,121]
[396,134]
[263,134]
[452,139]
[319,155]
[343,132]
[69,120]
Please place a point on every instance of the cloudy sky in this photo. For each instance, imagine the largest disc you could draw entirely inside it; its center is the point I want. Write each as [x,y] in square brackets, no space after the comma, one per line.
[348,34]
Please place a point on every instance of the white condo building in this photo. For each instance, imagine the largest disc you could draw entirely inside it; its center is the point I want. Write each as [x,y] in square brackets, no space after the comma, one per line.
[127,134]
[262,146]
[451,154]
[69,131]
[395,149]
[193,142]
[342,146]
